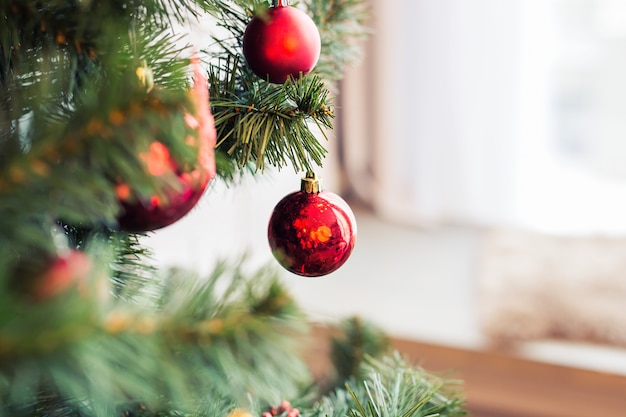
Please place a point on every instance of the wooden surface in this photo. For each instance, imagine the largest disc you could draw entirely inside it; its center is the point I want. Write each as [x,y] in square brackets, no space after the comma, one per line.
[501,385]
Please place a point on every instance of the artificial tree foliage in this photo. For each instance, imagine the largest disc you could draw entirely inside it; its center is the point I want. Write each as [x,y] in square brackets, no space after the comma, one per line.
[76,83]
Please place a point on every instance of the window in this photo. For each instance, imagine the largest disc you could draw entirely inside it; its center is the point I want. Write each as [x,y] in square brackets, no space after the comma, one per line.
[493,113]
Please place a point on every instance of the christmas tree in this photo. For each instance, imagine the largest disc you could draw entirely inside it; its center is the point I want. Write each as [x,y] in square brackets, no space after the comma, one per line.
[112,127]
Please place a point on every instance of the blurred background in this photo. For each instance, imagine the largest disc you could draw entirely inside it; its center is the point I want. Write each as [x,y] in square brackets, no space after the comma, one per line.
[482,147]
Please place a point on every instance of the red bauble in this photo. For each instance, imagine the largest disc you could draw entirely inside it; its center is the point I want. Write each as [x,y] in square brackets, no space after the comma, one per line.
[312,232]
[180,192]
[66,271]
[283,42]
[180,185]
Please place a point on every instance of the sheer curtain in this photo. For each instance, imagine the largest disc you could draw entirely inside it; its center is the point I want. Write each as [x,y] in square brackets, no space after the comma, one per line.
[491,113]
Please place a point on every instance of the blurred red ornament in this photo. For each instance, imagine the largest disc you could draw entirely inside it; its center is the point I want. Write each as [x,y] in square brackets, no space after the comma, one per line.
[180,192]
[69,270]
[283,42]
[312,232]
[181,185]
[283,410]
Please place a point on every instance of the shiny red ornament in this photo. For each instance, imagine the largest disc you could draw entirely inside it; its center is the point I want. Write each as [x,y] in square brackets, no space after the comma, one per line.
[180,185]
[281,43]
[312,232]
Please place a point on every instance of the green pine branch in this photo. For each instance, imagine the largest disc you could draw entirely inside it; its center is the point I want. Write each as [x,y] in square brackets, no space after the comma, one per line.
[268,123]
[132,267]
[390,386]
[191,340]
[359,339]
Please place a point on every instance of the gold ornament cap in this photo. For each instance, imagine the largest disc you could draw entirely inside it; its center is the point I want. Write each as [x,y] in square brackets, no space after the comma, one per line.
[311,183]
